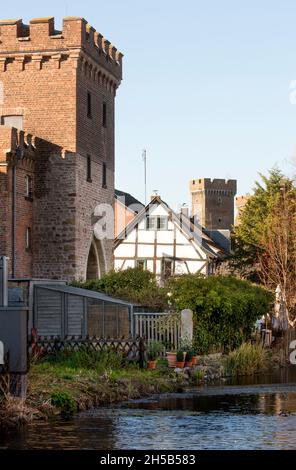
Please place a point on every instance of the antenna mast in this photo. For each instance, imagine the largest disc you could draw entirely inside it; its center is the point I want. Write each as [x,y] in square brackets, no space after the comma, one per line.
[144,158]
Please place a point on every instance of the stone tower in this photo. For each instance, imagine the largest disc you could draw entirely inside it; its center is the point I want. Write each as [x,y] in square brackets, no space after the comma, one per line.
[58,86]
[213,202]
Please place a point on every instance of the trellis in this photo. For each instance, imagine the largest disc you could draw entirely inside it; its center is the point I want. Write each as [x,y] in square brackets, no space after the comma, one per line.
[129,348]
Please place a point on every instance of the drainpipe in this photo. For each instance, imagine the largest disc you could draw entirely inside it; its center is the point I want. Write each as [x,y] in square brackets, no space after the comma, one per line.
[3,281]
[13,227]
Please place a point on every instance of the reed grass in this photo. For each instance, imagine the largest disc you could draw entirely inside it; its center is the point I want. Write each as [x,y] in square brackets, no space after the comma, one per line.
[248,359]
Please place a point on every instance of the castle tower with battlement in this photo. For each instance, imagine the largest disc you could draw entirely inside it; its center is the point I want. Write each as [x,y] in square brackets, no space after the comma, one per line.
[60,87]
[213,202]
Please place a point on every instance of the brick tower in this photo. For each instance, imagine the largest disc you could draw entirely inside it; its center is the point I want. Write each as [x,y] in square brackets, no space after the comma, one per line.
[213,202]
[58,86]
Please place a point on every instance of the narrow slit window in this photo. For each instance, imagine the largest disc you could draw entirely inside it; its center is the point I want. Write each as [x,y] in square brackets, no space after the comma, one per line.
[89,110]
[28,187]
[88,169]
[104,114]
[28,239]
[104,180]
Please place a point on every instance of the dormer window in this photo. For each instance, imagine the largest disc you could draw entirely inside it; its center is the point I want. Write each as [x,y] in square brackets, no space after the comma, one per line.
[156,222]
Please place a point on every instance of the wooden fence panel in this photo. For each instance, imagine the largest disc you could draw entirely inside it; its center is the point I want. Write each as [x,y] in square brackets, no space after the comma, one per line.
[163,327]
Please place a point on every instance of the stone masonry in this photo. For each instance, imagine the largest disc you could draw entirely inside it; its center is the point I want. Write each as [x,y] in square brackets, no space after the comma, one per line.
[58,86]
[213,202]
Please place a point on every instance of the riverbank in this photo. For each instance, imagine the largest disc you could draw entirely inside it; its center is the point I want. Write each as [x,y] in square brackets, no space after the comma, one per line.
[68,384]
[57,390]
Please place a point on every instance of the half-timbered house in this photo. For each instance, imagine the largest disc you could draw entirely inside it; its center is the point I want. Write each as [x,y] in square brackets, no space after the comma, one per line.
[166,243]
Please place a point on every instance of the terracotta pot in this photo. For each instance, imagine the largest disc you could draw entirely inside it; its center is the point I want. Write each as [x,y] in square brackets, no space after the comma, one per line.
[171,357]
[151,365]
[180,364]
[188,363]
[194,360]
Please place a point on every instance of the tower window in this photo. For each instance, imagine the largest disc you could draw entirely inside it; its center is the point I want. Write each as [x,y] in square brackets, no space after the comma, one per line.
[104,176]
[88,168]
[88,104]
[28,239]
[104,115]
[28,187]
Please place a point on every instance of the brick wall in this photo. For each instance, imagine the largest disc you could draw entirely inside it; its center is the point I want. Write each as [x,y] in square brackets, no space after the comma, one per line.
[46,75]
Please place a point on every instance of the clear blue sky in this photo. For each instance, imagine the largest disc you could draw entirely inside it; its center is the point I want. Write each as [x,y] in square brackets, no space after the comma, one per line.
[205,89]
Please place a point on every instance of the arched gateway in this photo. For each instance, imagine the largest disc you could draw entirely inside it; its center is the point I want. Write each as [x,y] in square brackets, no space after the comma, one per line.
[96,266]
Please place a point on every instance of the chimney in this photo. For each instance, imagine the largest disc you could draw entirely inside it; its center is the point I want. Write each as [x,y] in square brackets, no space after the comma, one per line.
[184,211]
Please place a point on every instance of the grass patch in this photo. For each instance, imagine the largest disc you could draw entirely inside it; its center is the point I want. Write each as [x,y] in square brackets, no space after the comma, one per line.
[64,401]
[248,359]
[86,359]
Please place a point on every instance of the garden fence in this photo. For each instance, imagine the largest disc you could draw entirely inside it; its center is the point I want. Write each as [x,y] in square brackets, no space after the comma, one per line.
[163,327]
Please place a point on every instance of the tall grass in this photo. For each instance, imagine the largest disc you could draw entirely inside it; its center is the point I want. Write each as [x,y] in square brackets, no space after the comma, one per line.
[248,359]
[86,359]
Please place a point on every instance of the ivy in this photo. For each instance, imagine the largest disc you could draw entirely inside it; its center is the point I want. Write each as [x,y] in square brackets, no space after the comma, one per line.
[225,309]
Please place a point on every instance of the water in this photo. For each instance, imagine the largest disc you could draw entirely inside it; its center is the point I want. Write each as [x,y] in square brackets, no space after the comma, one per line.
[256,413]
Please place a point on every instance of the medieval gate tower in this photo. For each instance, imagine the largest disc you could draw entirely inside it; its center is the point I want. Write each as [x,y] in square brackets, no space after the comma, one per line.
[56,146]
[213,202]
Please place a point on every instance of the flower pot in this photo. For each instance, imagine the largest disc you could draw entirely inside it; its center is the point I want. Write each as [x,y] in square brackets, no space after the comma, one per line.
[194,360]
[151,365]
[180,364]
[171,357]
[188,363]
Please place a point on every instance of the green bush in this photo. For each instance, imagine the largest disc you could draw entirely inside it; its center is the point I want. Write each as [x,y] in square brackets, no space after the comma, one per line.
[246,360]
[225,309]
[133,284]
[64,401]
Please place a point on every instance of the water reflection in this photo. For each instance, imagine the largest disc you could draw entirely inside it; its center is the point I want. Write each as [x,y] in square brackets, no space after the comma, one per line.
[215,417]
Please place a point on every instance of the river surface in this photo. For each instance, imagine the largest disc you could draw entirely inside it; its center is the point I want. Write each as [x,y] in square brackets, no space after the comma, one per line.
[254,413]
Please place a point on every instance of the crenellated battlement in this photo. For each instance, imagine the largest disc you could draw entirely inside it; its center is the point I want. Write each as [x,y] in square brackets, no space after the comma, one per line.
[22,43]
[216,184]
[16,144]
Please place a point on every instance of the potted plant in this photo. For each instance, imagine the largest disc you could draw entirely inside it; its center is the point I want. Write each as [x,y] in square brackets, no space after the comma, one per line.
[171,357]
[153,352]
[188,359]
[194,357]
[180,359]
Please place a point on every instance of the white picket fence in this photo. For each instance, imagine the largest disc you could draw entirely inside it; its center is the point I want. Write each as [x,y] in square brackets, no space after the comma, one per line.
[163,327]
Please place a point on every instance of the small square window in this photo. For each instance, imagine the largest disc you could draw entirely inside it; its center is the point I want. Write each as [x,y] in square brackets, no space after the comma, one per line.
[141,264]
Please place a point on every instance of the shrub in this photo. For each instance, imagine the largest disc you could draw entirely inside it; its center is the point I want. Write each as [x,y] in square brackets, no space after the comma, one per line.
[246,360]
[64,401]
[225,309]
[133,284]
